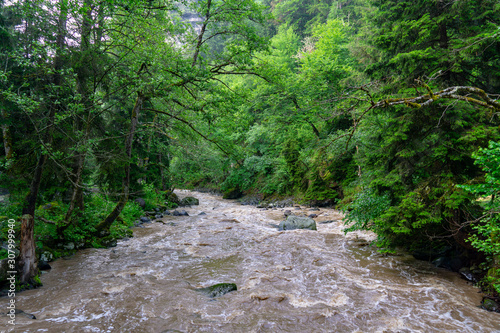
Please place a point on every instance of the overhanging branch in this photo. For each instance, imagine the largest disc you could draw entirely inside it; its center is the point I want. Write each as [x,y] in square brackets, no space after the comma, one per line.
[192,127]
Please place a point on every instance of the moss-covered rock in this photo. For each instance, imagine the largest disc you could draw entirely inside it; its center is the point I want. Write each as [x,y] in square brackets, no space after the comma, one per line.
[180,213]
[189,201]
[108,241]
[297,222]
[490,305]
[173,200]
[47,255]
[218,290]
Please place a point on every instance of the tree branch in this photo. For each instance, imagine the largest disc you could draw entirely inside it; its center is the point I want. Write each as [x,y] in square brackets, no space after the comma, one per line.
[190,126]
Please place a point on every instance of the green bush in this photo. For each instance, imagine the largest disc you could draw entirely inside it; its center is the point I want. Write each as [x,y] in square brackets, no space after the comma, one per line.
[366,207]
[487,237]
[152,196]
[131,212]
[280,181]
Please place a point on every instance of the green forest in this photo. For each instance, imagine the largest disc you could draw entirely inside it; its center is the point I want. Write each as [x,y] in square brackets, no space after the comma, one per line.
[387,110]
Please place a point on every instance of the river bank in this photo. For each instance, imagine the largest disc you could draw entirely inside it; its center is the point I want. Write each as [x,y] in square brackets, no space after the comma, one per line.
[287,281]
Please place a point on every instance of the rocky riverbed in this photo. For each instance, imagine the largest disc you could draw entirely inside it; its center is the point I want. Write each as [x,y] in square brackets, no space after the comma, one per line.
[226,267]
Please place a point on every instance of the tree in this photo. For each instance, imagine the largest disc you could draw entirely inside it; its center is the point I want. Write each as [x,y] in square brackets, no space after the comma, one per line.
[487,225]
[412,155]
[456,43]
[412,152]
[193,83]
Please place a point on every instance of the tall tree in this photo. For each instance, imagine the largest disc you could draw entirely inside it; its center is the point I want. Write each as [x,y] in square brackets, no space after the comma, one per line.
[412,156]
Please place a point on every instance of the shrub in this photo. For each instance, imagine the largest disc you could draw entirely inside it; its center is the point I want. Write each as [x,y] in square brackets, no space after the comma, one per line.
[487,238]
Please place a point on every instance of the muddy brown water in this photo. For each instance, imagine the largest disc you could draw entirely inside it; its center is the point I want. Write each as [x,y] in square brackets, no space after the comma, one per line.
[288,281]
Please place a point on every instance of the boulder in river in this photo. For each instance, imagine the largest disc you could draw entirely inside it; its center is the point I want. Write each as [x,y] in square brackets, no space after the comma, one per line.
[490,305]
[218,290]
[189,201]
[145,219]
[180,213]
[172,198]
[18,312]
[43,265]
[297,222]
[468,274]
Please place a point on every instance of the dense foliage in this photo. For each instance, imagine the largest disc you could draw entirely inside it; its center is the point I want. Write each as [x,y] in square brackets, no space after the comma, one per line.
[384,108]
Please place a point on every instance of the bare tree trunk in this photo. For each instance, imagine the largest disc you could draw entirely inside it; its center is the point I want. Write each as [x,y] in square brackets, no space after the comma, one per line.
[27,257]
[106,223]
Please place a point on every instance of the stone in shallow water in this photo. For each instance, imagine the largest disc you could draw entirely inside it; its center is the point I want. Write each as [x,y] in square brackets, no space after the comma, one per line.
[490,305]
[145,219]
[19,312]
[297,222]
[467,274]
[189,201]
[218,290]
[43,265]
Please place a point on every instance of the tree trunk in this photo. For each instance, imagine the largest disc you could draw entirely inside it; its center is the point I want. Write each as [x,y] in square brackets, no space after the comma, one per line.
[30,200]
[7,137]
[27,258]
[202,32]
[162,172]
[106,223]
[77,195]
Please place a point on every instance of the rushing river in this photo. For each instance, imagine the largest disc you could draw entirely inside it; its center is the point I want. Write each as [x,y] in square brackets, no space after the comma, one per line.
[288,281]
